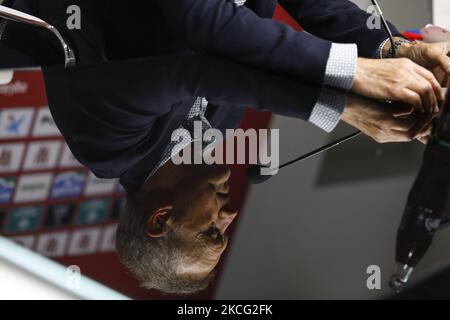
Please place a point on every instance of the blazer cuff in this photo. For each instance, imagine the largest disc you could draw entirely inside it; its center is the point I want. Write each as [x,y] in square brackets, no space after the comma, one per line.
[341,66]
[327,112]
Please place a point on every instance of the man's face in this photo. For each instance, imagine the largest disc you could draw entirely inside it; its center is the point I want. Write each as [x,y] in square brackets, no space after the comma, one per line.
[202,210]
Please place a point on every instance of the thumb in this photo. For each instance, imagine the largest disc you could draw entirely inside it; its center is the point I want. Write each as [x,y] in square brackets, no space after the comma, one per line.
[400,109]
[447,47]
[443,61]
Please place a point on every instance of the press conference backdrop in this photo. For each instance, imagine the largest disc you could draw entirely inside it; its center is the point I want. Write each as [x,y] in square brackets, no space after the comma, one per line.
[49,202]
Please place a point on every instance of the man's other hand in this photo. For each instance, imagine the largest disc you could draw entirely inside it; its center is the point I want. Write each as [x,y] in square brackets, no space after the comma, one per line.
[388,122]
[399,80]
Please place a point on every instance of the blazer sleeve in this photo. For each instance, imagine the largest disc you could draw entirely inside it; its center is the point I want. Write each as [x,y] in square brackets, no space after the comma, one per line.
[222,28]
[338,21]
[224,82]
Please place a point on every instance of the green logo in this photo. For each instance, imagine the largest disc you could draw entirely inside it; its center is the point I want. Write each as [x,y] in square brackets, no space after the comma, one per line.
[93,211]
[24,219]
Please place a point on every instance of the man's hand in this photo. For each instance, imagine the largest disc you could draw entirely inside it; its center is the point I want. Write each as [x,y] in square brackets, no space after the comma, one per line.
[391,122]
[398,80]
[432,56]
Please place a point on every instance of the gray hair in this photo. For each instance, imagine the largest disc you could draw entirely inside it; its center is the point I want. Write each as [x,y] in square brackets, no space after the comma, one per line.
[153,261]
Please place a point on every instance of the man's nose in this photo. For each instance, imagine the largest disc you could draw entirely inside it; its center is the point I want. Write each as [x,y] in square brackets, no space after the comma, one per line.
[226,218]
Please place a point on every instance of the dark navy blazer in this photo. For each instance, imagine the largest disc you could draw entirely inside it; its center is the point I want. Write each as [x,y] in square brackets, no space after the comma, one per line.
[124,29]
[117,117]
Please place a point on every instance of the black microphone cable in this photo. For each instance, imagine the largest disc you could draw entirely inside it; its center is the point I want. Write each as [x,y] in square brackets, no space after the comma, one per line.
[386,27]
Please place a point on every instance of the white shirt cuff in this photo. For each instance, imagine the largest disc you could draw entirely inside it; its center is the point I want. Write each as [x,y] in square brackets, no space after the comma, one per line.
[341,66]
[327,112]
[340,73]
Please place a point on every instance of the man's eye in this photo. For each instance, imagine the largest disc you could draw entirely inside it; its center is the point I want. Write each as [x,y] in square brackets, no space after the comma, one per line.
[214,233]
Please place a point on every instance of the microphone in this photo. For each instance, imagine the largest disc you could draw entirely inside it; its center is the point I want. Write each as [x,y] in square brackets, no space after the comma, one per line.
[254,175]
[426,210]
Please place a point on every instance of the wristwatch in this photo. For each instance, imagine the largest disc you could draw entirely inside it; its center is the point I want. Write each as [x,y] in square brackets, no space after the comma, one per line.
[397,44]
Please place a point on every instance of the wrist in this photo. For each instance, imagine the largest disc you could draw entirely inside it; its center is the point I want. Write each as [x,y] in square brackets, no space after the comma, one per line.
[399,45]
[363,69]
[402,50]
[349,112]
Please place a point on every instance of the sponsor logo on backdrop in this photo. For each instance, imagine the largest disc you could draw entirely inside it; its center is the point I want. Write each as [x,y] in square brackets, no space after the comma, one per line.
[6,190]
[42,155]
[11,157]
[93,211]
[24,219]
[33,187]
[45,125]
[96,186]
[52,244]
[68,160]
[25,241]
[15,122]
[108,242]
[2,219]
[71,243]
[84,241]
[119,206]
[59,215]
[68,184]
[14,88]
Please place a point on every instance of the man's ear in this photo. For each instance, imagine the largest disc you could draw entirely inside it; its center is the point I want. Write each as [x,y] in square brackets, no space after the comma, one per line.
[158,222]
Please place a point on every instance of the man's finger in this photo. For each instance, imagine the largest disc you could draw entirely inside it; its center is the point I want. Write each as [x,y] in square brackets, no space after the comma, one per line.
[400,109]
[425,136]
[443,61]
[423,126]
[422,87]
[400,136]
[424,139]
[412,98]
[428,75]
[403,124]
[447,46]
